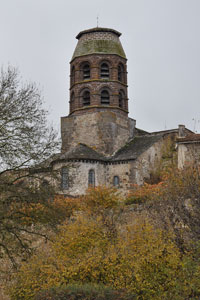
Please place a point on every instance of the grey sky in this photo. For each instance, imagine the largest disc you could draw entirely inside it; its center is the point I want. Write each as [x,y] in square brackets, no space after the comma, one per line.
[161,39]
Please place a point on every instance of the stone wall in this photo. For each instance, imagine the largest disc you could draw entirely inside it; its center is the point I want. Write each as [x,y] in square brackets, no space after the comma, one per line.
[188,153]
[159,156]
[123,171]
[105,131]
[78,176]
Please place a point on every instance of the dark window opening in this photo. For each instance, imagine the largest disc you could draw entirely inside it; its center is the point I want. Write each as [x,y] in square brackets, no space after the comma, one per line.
[105,97]
[121,73]
[86,72]
[116,181]
[72,97]
[72,101]
[64,178]
[121,99]
[73,76]
[104,71]
[91,178]
[86,98]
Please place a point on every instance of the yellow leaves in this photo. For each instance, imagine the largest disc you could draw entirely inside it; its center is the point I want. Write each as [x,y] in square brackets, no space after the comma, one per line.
[100,198]
[139,259]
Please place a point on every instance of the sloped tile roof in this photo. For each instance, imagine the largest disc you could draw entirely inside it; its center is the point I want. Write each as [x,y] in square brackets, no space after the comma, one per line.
[190,138]
[81,151]
[136,147]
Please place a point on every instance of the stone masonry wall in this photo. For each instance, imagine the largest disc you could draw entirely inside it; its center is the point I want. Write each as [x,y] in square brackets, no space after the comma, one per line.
[188,153]
[104,131]
[122,170]
[159,155]
[78,176]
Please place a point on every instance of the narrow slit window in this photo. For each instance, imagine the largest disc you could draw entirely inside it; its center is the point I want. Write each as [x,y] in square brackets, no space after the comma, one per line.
[104,71]
[72,97]
[121,99]
[105,97]
[91,178]
[73,76]
[86,98]
[64,178]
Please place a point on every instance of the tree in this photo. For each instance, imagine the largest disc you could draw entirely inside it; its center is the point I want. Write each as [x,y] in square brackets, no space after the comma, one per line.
[139,259]
[26,142]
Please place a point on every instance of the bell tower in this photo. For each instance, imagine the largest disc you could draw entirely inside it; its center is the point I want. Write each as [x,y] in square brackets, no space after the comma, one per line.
[98,73]
[98,102]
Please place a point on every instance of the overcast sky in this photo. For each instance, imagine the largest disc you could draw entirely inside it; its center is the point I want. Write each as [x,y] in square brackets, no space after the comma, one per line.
[161,39]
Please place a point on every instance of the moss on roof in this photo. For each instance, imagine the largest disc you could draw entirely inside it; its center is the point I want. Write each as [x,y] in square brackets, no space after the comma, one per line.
[136,147]
[98,47]
[81,151]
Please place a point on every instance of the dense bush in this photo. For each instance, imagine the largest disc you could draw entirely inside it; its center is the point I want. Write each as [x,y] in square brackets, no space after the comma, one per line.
[83,292]
[139,253]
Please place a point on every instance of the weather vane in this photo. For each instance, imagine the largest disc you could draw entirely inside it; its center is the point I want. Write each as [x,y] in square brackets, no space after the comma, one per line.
[97,20]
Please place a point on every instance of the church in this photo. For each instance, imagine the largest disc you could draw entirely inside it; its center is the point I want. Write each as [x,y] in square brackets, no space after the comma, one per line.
[101,145]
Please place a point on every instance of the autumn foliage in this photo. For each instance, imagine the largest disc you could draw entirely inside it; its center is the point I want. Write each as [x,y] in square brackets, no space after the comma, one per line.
[106,243]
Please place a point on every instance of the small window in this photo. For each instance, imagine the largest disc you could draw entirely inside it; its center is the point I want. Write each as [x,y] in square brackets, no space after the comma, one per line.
[104,71]
[73,76]
[121,99]
[121,73]
[116,181]
[86,71]
[86,98]
[105,97]
[91,178]
[72,97]
[64,178]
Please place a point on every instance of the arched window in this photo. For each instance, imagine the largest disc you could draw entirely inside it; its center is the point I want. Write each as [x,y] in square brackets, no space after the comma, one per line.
[64,178]
[104,71]
[72,75]
[121,72]
[91,178]
[86,98]
[116,181]
[86,71]
[121,99]
[105,97]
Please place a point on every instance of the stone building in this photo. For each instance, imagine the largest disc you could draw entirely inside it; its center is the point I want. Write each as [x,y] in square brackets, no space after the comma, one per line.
[101,145]
[188,147]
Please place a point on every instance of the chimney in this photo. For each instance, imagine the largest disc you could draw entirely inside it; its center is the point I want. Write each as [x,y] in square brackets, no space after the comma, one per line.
[181,131]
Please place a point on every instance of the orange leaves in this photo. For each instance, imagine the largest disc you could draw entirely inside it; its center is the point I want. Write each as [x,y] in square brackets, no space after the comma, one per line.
[141,194]
[135,256]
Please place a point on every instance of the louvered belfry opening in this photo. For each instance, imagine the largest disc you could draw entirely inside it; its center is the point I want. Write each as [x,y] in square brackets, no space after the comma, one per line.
[104,71]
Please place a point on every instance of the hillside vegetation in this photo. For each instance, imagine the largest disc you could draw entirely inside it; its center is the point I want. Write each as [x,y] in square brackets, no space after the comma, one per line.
[143,247]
